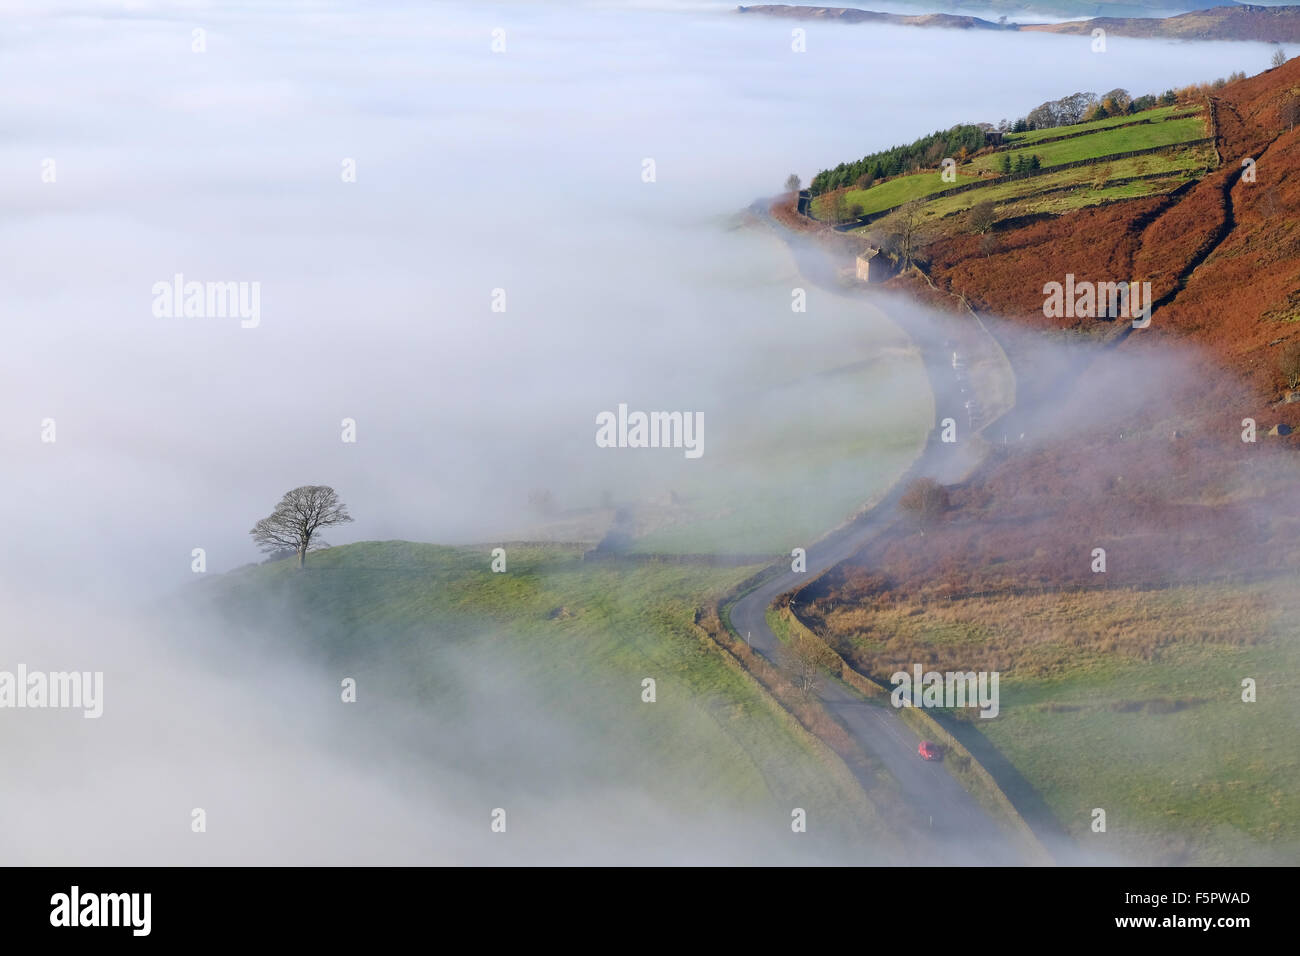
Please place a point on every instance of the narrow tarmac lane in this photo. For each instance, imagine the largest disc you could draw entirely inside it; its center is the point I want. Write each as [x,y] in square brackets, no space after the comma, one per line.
[951,827]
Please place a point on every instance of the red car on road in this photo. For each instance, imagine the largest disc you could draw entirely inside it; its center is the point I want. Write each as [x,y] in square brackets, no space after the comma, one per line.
[930,750]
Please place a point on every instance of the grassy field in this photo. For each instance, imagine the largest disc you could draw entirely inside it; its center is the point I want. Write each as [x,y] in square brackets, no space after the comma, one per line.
[488,658]
[1102,143]
[1214,783]
[1156,115]
[1176,124]
[1129,701]
[894,192]
[1090,180]
[1091,196]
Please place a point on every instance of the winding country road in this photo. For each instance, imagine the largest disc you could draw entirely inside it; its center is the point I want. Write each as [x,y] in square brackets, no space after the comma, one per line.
[953,827]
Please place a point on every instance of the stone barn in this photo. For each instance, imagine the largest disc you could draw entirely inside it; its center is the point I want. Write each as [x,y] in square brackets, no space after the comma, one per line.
[873,265]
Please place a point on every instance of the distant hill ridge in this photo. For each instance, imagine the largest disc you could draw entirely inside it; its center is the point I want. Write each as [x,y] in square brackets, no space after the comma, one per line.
[1235,22]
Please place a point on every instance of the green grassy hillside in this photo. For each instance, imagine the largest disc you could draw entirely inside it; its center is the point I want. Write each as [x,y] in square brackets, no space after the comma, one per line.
[1158,114]
[893,192]
[530,681]
[1103,142]
[1053,190]
[1081,186]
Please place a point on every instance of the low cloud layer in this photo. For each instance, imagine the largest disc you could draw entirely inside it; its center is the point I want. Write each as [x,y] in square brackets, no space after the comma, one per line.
[127,158]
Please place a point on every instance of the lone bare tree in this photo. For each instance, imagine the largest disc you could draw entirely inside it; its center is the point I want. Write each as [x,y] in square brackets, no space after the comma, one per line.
[1291,111]
[292,526]
[806,660]
[839,205]
[1291,365]
[908,232]
[792,183]
[982,216]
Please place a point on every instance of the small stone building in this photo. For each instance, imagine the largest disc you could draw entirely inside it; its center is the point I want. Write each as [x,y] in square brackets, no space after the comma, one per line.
[864,264]
[875,265]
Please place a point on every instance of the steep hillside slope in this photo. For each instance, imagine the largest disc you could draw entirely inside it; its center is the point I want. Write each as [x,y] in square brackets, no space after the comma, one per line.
[1122,556]
[1222,254]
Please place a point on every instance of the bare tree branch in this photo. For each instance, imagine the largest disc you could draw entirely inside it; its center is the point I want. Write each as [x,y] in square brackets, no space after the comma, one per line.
[806,660]
[296,519]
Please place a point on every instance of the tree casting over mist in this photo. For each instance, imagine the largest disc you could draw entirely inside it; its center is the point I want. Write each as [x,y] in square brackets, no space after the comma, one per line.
[292,526]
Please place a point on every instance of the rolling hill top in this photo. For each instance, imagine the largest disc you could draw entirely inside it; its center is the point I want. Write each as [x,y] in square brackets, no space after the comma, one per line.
[1271,24]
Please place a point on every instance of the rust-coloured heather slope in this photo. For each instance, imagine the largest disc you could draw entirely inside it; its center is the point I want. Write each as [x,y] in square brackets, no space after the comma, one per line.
[1222,255]
[1129,441]
[1137,447]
